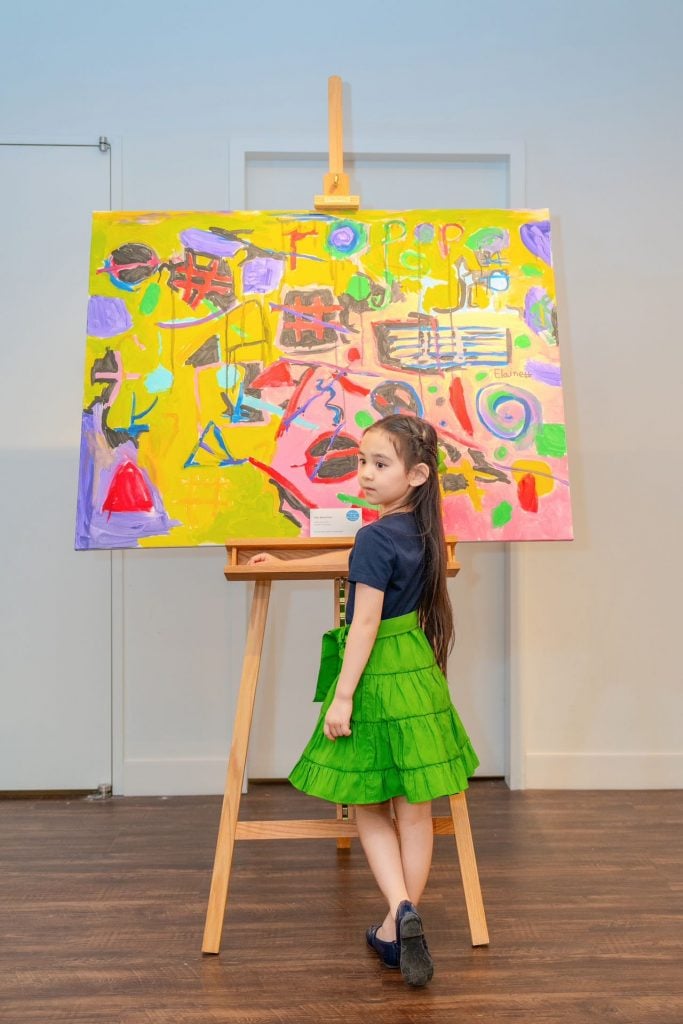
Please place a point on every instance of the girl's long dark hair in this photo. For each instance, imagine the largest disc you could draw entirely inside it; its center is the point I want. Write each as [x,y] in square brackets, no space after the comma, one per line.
[415,441]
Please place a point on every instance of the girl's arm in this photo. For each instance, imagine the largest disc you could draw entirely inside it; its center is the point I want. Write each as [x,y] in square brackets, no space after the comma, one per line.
[367,614]
[339,557]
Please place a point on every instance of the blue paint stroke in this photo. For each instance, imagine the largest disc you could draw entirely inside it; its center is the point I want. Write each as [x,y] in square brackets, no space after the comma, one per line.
[320,461]
[212,429]
[276,410]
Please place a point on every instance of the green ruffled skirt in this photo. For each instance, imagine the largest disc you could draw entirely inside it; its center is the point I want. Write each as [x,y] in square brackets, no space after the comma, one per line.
[406,737]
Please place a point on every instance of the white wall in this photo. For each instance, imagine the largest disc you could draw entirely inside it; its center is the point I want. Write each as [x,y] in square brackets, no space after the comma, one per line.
[593,88]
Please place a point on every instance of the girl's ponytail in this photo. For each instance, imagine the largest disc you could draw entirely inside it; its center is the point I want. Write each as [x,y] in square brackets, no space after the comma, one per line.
[416,441]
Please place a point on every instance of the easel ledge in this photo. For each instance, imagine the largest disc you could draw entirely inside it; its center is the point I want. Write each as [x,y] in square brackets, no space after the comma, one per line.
[301,558]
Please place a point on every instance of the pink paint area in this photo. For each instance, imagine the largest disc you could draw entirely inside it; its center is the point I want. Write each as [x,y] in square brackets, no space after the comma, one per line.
[315,454]
[306,348]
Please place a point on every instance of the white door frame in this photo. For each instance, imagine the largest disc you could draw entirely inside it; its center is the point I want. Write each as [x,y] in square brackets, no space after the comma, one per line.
[58,140]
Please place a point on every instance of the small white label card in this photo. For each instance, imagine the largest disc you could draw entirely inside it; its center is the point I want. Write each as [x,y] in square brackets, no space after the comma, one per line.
[335,522]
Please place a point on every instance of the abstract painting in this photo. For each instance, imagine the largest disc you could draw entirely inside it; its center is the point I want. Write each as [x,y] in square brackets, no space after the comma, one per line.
[233,360]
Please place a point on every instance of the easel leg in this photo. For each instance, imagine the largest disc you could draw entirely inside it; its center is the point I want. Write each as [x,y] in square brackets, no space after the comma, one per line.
[468,870]
[238,756]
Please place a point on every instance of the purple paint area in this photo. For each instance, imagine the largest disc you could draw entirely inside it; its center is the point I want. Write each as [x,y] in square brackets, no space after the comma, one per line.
[498,244]
[546,373]
[342,238]
[124,529]
[85,479]
[536,237]
[262,274]
[538,308]
[98,529]
[107,317]
[207,242]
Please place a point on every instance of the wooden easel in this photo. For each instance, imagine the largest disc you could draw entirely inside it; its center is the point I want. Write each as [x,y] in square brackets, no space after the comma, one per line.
[301,560]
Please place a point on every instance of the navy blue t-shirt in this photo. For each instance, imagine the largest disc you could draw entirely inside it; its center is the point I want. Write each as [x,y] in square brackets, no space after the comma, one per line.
[388,555]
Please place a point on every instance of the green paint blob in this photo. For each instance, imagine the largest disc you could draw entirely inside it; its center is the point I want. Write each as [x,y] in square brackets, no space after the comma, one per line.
[359,287]
[238,330]
[150,300]
[481,376]
[415,261]
[501,514]
[551,440]
[432,390]
[522,341]
[485,238]
[531,271]
[500,453]
[351,499]
[363,419]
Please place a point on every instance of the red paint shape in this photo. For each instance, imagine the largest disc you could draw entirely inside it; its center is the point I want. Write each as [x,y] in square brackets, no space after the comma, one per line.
[128,491]
[353,389]
[280,479]
[275,376]
[290,412]
[446,239]
[294,237]
[526,492]
[369,515]
[457,397]
[353,354]
[198,281]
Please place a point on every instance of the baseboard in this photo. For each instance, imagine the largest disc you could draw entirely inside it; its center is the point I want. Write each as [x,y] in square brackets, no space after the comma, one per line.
[174,777]
[206,776]
[604,771]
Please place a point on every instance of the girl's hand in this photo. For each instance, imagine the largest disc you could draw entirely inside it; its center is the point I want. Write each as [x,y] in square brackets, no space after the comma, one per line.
[262,558]
[338,718]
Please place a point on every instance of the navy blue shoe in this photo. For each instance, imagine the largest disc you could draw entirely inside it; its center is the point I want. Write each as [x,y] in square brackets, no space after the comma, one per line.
[386,951]
[417,966]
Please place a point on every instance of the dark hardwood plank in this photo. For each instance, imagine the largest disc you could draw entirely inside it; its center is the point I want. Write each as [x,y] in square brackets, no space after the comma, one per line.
[103,907]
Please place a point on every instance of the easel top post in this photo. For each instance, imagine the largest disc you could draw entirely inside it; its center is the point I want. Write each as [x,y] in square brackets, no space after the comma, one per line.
[336,183]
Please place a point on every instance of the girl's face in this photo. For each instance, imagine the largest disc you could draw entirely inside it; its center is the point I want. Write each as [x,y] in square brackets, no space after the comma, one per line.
[382,473]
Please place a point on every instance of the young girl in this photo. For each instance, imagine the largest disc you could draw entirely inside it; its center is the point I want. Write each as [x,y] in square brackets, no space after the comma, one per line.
[388,733]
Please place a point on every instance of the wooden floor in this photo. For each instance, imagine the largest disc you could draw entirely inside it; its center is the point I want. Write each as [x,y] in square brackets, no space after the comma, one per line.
[102,910]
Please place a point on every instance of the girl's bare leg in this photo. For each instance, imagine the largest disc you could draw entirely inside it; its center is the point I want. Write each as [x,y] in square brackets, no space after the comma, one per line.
[380,844]
[401,870]
[417,843]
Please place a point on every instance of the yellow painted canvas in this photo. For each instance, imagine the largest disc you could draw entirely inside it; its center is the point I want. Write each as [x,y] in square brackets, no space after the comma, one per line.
[234,359]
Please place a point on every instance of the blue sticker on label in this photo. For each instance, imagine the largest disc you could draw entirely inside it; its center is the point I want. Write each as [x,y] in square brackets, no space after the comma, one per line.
[353,515]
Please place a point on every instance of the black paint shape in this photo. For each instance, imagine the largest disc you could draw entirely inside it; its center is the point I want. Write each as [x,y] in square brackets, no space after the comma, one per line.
[132,253]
